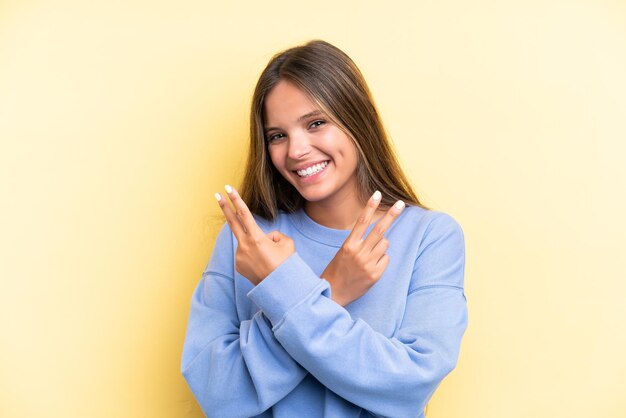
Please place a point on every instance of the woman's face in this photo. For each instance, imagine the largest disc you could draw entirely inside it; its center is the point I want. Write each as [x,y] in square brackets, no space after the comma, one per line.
[312,153]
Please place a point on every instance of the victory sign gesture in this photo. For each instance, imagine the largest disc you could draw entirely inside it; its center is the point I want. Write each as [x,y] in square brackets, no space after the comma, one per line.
[360,261]
[258,254]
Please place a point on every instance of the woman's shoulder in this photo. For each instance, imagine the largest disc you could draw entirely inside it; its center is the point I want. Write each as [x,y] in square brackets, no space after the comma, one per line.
[426,226]
[427,219]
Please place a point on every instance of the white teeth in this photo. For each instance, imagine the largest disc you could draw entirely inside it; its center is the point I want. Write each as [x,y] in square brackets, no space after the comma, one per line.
[312,170]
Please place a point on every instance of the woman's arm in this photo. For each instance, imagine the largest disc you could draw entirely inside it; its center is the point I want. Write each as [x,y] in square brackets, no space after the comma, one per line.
[388,376]
[234,369]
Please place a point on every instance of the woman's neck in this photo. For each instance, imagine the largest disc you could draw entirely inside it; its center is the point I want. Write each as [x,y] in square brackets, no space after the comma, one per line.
[338,215]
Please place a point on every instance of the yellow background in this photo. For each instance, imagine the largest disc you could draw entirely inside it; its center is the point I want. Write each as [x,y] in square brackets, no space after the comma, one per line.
[120,119]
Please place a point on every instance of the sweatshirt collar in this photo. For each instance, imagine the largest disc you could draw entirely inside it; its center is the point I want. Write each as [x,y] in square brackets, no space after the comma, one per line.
[320,233]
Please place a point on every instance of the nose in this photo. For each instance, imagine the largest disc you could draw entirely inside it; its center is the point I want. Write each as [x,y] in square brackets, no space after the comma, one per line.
[299,146]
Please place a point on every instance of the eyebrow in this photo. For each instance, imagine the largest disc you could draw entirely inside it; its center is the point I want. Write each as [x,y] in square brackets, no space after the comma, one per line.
[300,119]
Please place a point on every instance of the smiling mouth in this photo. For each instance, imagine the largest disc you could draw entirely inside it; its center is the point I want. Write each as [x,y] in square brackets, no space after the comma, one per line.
[314,169]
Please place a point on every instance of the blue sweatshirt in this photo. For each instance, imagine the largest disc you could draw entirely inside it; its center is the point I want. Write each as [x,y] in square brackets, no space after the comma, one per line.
[285,349]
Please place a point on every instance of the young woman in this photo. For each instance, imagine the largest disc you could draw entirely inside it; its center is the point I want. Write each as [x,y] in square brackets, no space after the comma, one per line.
[331,291]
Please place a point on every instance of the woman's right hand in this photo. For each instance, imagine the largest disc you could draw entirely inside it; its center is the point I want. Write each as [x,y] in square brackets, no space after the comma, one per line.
[258,254]
[360,261]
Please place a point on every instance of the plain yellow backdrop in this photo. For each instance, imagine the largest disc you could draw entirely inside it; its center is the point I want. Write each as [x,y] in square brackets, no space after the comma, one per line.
[120,119]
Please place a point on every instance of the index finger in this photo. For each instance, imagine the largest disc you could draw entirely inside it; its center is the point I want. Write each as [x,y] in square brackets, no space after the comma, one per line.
[378,232]
[366,217]
[231,218]
[243,213]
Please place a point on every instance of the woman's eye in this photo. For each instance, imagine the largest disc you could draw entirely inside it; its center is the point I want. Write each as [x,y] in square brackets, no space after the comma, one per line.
[316,123]
[274,137]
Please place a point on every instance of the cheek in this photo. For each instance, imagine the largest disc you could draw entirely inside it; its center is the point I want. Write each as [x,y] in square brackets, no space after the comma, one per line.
[348,150]
[352,157]
[354,154]
[273,157]
[276,157]
[331,145]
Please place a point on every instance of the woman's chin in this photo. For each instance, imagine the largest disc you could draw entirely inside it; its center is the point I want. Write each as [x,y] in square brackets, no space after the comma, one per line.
[312,196]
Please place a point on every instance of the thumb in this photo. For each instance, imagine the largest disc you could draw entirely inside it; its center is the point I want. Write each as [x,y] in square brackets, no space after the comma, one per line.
[276,236]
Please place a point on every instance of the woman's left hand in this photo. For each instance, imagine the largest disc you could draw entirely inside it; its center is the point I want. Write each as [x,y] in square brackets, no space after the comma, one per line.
[258,254]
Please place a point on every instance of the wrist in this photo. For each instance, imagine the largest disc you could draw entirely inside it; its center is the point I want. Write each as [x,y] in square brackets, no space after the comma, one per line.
[337,299]
[335,292]
[269,266]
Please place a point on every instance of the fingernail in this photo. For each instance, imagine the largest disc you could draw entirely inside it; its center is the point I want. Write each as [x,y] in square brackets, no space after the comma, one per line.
[399,204]
[218,196]
[229,189]
[376,195]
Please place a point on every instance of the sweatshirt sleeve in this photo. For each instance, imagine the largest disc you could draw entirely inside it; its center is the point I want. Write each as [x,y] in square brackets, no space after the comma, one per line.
[391,377]
[234,368]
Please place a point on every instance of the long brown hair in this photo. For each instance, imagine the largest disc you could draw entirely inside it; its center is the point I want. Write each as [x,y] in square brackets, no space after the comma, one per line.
[336,85]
